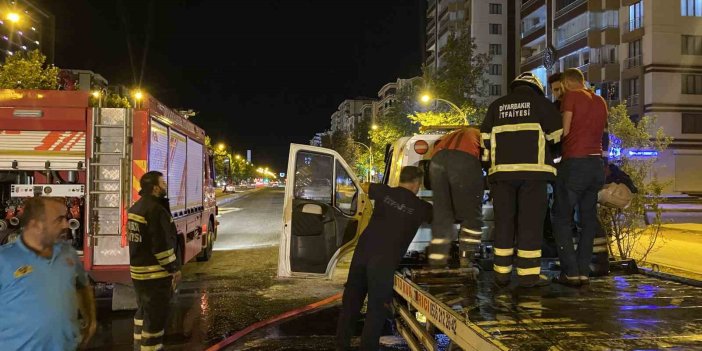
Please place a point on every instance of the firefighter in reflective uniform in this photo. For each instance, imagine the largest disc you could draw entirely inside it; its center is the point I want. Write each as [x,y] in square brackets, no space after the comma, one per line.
[456,178]
[515,134]
[153,263]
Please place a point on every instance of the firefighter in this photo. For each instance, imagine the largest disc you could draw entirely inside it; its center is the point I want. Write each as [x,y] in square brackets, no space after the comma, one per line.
[154,267]
[515,134]
[456,178]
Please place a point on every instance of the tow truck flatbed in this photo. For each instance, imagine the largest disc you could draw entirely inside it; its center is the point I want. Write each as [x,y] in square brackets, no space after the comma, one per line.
[617,312]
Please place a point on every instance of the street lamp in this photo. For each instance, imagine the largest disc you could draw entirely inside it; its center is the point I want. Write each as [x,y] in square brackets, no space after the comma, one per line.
[370,158]
[374,127]
[13,17]
[221,146]
[98,95]
[238,157]
[426,99]
[138,95]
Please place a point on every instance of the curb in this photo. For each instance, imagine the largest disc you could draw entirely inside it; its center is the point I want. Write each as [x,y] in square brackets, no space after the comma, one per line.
[258,325]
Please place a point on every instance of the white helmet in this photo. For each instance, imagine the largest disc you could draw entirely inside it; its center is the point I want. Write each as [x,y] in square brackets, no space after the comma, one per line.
[530,80]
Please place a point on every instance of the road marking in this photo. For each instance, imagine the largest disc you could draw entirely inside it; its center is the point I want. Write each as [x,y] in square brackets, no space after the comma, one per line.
[225,210]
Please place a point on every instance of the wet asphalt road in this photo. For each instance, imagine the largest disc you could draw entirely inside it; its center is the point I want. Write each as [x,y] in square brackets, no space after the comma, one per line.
[252,221]
[207,307]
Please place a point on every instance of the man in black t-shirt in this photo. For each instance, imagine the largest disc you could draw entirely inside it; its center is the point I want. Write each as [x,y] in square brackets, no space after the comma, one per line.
[397,215]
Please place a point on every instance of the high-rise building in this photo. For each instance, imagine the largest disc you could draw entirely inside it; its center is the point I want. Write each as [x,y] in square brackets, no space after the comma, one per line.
[647,52]
[349,114]
[491,23]
[25,26]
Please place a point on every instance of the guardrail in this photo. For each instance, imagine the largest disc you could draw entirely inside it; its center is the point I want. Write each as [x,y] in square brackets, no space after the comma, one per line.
[572,38]
[569,7]
[632,62]
[632,100]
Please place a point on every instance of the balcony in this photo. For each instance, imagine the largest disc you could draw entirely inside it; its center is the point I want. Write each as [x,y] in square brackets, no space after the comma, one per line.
[533,58]
[529,3]
[632,62]
[573,4]
[632,100]
[562,42]
[533,29]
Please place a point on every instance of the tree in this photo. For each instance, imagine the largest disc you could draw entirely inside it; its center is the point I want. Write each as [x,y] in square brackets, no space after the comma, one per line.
[461,79]
[627,227]
[110,100]
[28,70]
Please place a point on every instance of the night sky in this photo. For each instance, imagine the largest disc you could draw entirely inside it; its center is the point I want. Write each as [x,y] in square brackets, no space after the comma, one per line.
[261,73]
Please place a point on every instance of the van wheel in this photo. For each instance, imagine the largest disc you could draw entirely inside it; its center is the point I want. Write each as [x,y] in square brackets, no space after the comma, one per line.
[206,253]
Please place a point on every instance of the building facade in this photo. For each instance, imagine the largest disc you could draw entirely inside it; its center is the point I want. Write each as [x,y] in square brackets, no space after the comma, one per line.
[492,25]
[645,52]
[25,26]
[349,114]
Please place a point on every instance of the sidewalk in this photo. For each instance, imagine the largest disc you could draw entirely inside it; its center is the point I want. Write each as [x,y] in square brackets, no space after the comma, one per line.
[677,250]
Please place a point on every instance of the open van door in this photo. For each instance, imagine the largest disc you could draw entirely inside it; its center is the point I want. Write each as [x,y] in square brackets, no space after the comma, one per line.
[325,210]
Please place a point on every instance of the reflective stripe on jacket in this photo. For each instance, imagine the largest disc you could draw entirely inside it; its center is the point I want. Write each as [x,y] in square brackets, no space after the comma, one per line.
[515,133]
[152,239]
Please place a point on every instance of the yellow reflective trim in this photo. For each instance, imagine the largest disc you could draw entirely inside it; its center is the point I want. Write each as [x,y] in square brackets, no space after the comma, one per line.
[138,321]
[137,336]
[167,260]
[502,269]
[163,254]
[151,335]
[436,256]
[529,253]
[555,136]
[599,249]
[152,348]
[149,276]
[529,271]
[485,136]
[542,148]
[145,269]
[516,127]
[522,167]
[486,154]
[504,252]
[136,218]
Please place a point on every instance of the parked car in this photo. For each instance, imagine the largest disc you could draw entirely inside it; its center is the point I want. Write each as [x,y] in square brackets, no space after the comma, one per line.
[229,188]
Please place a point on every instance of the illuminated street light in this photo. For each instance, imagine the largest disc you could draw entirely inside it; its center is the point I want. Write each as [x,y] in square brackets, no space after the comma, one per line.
[426,99]
[221,146]
[13,17]
[138,95]
[96,94]
[238,157]
[374,127]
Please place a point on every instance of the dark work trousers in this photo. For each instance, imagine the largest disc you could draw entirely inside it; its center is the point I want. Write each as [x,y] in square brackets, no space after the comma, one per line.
[373,277]
[520,207]
[577,184]
[150,319]
[457,190]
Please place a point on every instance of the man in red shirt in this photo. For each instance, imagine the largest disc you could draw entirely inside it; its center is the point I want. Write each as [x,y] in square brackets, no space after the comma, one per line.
[580,176]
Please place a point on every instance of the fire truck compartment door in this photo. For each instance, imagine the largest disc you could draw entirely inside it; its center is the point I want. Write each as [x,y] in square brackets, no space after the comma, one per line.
[322,212]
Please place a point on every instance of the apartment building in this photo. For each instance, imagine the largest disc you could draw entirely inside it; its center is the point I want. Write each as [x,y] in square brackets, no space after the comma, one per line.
[349,114]
[26,26]
[647,52]
[490,23]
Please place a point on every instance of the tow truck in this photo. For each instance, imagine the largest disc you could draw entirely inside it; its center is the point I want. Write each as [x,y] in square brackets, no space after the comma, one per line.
[628,309]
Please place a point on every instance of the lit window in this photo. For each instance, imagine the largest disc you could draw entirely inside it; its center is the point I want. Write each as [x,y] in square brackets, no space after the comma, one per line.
[692,8]
[636,16]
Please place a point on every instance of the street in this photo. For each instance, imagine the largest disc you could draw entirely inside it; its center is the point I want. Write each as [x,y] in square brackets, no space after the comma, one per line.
[236,288]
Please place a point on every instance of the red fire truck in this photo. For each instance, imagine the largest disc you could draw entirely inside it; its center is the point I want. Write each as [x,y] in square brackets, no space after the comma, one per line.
[52,143]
